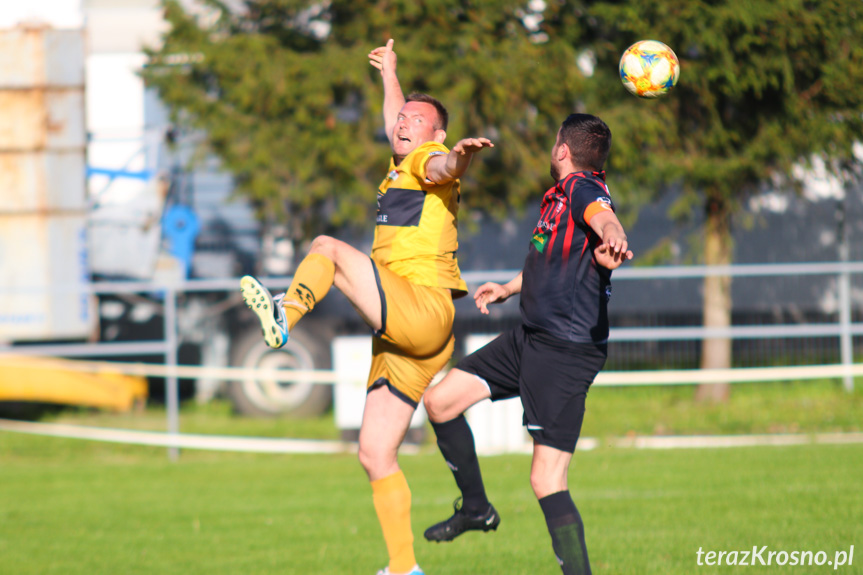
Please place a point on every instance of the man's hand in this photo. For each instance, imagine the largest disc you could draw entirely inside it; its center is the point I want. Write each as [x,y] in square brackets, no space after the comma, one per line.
[471,145]
[441,169]
[614,249]
[612,256]
[490,293]
[383,58]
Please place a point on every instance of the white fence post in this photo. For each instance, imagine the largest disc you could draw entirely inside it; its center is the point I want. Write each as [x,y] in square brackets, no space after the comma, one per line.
[846,338]
[352,360]
[497,427]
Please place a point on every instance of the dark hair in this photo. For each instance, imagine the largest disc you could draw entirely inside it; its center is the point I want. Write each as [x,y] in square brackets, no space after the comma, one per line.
[588,139]
[442,114]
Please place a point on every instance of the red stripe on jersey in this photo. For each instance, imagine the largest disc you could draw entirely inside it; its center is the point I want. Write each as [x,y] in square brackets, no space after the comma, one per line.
[567,242]
[556,227]
[570,230]
[566,188]
[586,243]
[543,212]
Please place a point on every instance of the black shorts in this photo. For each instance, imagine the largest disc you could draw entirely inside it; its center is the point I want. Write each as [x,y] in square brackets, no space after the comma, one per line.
[550,375]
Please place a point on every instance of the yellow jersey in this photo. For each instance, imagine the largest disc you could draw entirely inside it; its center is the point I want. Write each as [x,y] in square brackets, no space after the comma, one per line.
[416,235]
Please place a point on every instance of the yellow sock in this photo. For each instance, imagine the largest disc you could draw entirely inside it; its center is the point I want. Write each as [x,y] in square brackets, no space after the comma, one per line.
[312,281]
[392,498]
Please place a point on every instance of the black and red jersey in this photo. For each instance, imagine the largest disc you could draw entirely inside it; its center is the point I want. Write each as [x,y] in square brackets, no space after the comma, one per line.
[564,292]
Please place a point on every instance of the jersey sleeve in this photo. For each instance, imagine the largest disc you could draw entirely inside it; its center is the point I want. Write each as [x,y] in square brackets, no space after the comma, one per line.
[421,157]
[587,198]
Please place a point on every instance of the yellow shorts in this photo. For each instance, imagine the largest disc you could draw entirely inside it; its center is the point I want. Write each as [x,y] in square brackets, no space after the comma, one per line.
[415,341]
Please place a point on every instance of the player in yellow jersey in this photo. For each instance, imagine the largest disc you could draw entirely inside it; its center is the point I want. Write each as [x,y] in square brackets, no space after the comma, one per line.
[404,292]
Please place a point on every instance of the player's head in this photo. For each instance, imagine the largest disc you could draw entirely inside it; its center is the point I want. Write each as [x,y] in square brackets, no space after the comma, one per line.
[442,115]
[422,119]
[584,141]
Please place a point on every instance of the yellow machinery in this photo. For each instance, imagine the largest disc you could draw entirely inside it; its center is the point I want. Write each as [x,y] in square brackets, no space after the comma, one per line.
[44,380]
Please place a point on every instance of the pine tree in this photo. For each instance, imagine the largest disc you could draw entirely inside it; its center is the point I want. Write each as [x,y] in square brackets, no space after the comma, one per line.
[283,92]
[764,85]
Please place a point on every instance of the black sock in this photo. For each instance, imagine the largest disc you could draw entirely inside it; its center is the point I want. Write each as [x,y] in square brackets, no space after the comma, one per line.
[567,533]
[455,440]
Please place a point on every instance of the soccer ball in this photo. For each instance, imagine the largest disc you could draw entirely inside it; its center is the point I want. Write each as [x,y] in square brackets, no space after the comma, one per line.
[649,69]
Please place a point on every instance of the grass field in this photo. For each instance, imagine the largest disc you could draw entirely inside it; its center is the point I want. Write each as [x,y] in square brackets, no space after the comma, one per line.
[75,507]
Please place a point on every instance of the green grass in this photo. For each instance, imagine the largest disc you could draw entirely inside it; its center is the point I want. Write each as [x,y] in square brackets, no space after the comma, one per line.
[70,506]
[792,407]
[74,507]
[214,418]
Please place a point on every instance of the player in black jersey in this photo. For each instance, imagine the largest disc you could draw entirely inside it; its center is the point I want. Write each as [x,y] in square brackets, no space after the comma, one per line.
[551,360]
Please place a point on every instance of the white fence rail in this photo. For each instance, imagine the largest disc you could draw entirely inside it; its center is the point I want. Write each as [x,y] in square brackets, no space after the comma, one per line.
[844,329]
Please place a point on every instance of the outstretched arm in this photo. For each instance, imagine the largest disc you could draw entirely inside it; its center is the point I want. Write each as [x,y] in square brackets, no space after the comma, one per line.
[441,169]
[384,59]
[491,292]
[614,249]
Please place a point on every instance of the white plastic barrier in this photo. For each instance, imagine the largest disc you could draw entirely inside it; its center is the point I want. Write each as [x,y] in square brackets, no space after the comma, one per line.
[497,427]
[352,359]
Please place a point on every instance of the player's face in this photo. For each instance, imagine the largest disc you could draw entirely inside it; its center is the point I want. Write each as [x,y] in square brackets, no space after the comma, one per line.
[415,126]
[554,169]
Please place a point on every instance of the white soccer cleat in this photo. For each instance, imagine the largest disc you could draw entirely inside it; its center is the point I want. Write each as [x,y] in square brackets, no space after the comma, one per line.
[268,309]
[414,571]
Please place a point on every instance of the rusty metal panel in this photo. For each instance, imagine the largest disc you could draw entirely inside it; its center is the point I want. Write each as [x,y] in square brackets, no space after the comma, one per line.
[64,58]
[65,121]
[22,120]
[42,181]
[39,119]
[42,263]
[41,57]
[42,186]
[22,64]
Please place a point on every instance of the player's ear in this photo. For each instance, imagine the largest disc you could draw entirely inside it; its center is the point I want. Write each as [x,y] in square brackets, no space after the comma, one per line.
[439,136]
[563,152]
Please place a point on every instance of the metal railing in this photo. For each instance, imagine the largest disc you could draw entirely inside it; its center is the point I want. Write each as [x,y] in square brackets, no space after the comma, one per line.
[844,329]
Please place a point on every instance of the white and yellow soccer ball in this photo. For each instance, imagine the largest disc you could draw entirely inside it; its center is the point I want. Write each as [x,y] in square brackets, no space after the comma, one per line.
[649,69]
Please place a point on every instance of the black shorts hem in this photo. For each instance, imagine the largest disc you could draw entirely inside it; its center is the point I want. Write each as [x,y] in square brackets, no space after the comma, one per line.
[382,381]
[566,446]
[383,330]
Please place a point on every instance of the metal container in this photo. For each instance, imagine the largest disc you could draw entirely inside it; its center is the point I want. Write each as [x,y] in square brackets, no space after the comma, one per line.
[42,119]
[39,57]
[42,269]
[42,182]
[43,205]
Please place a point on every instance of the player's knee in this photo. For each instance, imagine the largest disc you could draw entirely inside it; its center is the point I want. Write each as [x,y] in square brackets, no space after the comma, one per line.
[372,457]
[544,483]
[324,245]
[539,484]
[367,458]
[433,406]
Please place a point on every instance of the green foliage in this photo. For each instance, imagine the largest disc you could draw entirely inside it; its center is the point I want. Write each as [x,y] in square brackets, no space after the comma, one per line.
[287,100]
[763,85]
[296,114]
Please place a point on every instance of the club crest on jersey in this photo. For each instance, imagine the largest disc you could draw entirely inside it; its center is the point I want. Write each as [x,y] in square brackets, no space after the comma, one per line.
[539,241]
[547,226]
[394,175]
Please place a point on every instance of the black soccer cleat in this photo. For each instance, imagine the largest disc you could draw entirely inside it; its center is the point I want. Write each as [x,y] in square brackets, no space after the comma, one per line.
[461,521]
